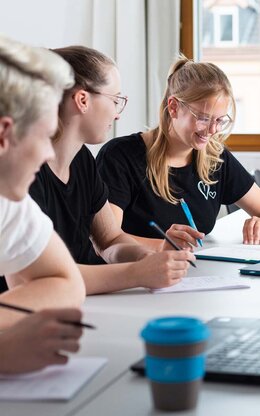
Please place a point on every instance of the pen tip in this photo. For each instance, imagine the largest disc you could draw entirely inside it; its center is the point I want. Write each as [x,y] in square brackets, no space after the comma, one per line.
[152,223]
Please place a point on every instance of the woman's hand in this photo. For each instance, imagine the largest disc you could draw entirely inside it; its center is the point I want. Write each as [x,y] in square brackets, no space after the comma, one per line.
[184,236]
[161,269]
[251,231]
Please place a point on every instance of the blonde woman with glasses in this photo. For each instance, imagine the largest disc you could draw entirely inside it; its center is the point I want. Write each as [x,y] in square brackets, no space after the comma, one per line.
[71,192]
[184,157]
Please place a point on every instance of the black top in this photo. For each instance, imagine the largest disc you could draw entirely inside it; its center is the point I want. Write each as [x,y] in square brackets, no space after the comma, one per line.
[72,206]
[122,164]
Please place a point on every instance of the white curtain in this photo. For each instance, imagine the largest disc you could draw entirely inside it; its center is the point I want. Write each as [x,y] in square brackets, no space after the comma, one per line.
[143,38]
[163,45]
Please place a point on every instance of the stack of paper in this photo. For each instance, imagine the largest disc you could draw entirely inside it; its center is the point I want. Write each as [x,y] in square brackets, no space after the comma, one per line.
[199,283]
[52,383]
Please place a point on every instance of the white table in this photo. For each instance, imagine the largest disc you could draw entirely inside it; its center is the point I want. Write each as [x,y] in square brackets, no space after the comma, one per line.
[120,317]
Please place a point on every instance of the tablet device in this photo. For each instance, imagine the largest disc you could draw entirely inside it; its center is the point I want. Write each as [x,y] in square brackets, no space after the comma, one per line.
[252,270]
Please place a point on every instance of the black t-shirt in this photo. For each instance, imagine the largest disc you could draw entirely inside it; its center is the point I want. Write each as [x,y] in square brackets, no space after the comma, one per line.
[122,164]
[72,206]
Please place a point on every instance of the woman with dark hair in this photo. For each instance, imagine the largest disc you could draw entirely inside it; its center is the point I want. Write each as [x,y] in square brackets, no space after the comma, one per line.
[70,191]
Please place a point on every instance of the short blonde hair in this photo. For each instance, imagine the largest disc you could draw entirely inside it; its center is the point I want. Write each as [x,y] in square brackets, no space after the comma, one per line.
[29,78]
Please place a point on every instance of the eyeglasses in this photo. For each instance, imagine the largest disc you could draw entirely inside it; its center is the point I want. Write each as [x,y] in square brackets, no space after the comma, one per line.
[119,101]
[203,121]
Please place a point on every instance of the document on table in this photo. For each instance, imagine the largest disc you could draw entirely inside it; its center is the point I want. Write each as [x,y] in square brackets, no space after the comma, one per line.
[201,283]
[52,383]
[240,253]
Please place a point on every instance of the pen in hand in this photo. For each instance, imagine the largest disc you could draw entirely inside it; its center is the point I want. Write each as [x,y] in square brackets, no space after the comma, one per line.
[26,310]
[165,236]
[189,217]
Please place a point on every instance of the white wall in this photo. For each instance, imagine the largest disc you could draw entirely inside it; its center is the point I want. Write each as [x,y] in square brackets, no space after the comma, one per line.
[250,160]
[48,23]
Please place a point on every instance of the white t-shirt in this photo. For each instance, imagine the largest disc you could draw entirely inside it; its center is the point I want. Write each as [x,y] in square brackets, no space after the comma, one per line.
[24,233]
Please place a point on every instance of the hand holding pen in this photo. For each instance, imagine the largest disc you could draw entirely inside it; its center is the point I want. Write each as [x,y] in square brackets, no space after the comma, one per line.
[194,234]
[190,219]
[184,235]
[40,338]
[30,311]
[167,238]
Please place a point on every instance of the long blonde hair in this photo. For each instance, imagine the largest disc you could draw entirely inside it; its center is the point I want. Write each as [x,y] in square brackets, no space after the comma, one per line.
[188,81]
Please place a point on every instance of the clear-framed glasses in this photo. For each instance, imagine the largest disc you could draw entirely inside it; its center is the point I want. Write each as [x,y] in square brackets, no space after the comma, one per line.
[119,101]
[203,121]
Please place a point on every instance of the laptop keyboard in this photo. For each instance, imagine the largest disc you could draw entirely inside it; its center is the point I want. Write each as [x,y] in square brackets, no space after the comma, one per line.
[239,353]
[236,357]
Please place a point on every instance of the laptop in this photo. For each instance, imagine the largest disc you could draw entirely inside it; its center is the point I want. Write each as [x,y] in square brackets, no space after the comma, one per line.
[233,352]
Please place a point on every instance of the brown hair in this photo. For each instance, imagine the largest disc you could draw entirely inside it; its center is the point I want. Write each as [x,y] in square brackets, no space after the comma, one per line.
[90,71]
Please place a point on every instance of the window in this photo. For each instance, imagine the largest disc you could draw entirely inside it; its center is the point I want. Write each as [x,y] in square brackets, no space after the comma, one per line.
[225,26]
[228,34]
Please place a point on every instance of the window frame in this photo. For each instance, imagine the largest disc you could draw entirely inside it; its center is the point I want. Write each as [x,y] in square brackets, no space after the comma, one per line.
[220,12]
[235,142]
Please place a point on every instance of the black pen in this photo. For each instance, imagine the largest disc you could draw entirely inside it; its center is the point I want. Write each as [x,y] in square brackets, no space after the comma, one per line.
[165,236]
[26,310]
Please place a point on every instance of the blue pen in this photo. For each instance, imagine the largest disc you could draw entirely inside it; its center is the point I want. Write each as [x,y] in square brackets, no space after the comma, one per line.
[187,212]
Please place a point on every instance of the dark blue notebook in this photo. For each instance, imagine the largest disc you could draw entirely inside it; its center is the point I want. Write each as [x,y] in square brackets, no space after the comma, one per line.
[238,253]
[253,270]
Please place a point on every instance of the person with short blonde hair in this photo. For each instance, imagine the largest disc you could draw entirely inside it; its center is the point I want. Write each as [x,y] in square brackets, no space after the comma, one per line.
[32,81]
[184,157]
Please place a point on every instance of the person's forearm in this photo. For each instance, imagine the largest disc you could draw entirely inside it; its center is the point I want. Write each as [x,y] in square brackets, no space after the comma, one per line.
[124,253]
[128,248]
[153,243]
[108,278]
[42,293]
[156,271]
[53,280]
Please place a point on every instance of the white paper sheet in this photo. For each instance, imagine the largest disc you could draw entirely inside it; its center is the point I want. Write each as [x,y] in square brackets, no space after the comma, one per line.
[52,383]
[200,283]
[238,251]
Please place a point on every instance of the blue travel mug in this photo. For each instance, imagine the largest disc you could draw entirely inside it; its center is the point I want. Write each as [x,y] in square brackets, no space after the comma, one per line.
[175,360]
